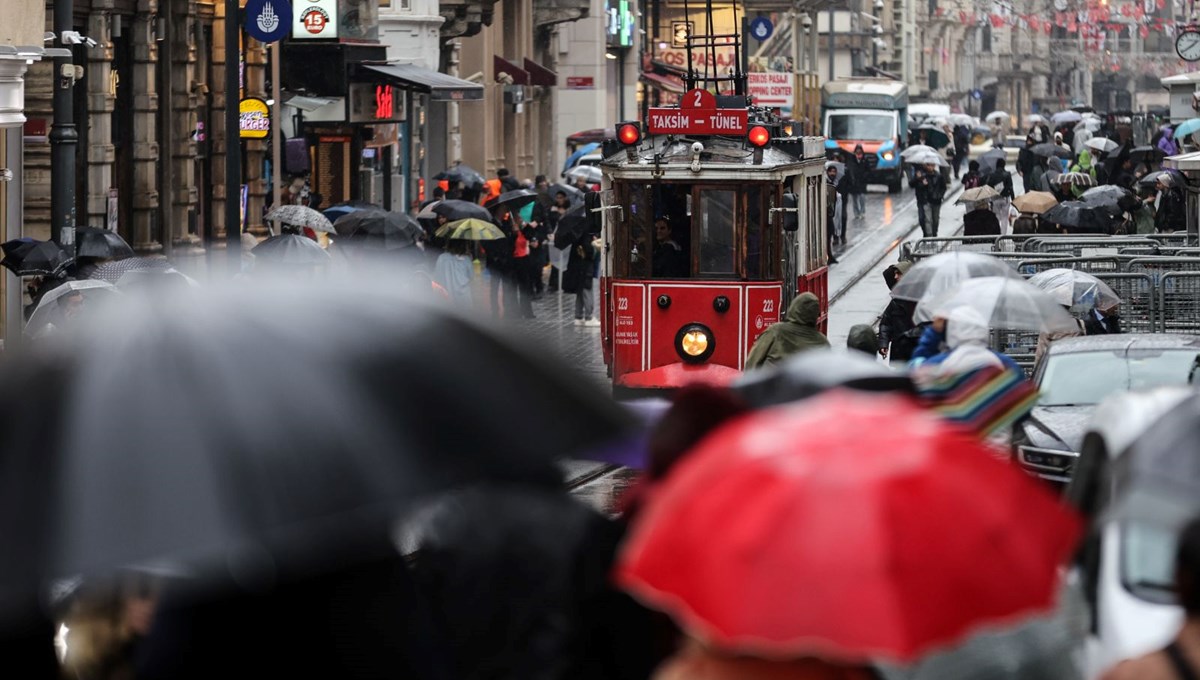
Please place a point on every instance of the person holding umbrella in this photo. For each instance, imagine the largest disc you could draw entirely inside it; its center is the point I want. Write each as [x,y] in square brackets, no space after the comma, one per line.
[1172,206]
[1000,179]
[500,266]
[930,187]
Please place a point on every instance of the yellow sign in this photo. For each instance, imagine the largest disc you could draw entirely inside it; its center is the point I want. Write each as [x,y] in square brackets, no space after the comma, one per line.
[255,119]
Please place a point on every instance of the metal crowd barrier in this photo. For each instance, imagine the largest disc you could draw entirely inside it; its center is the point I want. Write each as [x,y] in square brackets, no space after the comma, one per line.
[1179,302]
[1175,238]
[924,247]
[1075,247]
[1091,265]
[1139,300]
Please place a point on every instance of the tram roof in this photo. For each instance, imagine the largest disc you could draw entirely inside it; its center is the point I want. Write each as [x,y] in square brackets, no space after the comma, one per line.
[728,154]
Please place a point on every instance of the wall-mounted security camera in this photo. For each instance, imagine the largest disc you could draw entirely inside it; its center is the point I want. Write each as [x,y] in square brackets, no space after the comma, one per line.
[74,38]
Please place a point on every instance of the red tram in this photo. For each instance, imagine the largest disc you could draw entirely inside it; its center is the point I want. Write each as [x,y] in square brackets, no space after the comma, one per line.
[712,223]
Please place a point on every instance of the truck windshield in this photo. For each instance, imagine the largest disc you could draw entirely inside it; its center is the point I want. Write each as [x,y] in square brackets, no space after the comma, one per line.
[863,126]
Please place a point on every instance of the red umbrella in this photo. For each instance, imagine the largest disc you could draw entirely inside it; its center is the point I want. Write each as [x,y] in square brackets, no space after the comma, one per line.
[847,526]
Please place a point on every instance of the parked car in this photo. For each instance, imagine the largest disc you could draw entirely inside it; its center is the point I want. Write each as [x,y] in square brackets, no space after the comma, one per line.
[1076,374]
[1120,589]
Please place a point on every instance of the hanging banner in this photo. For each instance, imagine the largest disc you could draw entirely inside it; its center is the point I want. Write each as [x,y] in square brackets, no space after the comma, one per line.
[767,87]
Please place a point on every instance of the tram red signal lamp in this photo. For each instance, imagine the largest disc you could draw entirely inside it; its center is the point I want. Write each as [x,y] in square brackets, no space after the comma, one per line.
[629,134]
[758,136]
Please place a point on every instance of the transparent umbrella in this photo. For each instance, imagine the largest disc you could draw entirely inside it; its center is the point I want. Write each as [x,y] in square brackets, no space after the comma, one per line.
[1005,303]
[943,272]
[1075,289]
[915,149]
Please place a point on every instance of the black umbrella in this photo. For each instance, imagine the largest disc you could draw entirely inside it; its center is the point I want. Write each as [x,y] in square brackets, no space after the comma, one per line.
[571,226]
[102,243]
[573,194]
[379,229]
[29,257]
[1048,149]
[987,161]
[514,200]
[934,136]
[1116,199]
[274,422]
[1080,217]
[1147,154]
[810,373]
[464,174]
[291,250]
[454,210]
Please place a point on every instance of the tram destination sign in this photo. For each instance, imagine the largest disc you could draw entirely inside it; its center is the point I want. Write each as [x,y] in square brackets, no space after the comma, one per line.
[697,115]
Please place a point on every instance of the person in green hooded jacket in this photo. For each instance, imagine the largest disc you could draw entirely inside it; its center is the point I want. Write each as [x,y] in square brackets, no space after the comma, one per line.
[796,333]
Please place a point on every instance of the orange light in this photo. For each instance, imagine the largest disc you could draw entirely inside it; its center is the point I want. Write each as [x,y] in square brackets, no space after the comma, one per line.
[758,136]
[629,134]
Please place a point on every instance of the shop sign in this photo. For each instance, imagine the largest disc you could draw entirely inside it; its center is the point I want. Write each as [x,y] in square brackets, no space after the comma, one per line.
[315,19]
[581,83]
[254,119]
[376,103]
[771,89]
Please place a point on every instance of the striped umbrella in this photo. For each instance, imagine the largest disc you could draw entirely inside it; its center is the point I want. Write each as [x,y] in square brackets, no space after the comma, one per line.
[1077,179]
[985,400]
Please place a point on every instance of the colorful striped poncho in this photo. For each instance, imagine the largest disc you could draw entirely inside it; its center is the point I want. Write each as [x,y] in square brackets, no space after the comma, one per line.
[985,400]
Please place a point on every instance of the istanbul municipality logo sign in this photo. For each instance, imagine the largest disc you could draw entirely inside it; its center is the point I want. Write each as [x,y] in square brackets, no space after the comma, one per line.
[268,20]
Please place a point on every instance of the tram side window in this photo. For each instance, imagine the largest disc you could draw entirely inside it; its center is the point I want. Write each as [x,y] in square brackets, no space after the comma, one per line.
[672,231]
[755,229]
[717,217]
[637,228]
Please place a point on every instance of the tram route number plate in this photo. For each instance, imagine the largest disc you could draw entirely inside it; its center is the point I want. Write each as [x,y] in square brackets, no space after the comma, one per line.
[697,121]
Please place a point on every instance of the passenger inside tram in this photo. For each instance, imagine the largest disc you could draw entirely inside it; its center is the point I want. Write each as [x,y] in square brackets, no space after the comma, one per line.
[670,261]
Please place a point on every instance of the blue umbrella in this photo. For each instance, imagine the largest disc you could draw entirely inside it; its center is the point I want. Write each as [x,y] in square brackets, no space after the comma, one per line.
[1187,127]
[579,153]
[333,212]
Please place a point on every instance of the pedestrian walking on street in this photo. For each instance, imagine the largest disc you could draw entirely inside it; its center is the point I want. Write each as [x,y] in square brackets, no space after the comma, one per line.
[980,220]
[972,179]
[1172,206]
[453,271]
[581,264]
[862,337]
[962,144]
[845,189]
[1000,179]
[502,292]
[524,238]
[856,173]
[796,333]
[898,333]
[930,186]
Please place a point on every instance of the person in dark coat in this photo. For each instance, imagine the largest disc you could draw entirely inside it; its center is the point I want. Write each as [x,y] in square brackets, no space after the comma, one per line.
[831,211]
[537,232]
[507,181]
[898,334]
[1026,158]
[1000,179]
[845,188]
[972,179]
[1102,321]
[862,338]
[962,144]
[931,187]
[668,261]
[796,333]
[981,221]
[1172,206]
[578,278]
[500,266]
[856,174]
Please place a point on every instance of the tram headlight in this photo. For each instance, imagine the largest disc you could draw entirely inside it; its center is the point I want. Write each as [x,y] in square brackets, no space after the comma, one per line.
[695,343]
[888,156]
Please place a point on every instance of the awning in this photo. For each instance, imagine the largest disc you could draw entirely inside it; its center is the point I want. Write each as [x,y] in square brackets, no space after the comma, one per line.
[663,82]
[539,75]
[439,86]
[501,65]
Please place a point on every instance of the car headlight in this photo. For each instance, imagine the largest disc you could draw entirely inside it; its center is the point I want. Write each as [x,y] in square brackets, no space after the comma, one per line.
[1046,459]
[694,343]
[888,155]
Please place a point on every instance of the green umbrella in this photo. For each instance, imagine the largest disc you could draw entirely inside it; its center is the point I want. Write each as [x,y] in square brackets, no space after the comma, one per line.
[470,229]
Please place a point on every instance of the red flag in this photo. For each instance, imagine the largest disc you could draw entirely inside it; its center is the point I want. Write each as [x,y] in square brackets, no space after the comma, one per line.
[1160,3]
[1144,32]
[997,21]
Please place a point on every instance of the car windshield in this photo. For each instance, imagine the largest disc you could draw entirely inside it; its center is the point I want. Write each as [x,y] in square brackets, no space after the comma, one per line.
[860,126]
[1086,378]
[1148,561]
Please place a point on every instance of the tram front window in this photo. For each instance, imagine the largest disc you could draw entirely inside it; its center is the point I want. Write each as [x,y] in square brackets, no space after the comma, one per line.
[717,217]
